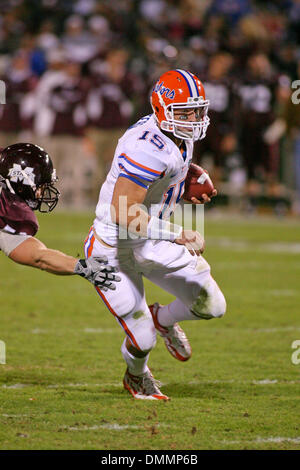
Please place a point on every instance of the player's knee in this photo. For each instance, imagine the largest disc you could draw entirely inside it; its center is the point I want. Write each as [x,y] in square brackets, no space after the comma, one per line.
[147,341]
[145,344]
[218,305]
[210,302]
[143,332]
[127,306]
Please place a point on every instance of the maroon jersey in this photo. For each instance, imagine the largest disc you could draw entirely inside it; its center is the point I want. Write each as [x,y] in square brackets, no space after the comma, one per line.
[15,213]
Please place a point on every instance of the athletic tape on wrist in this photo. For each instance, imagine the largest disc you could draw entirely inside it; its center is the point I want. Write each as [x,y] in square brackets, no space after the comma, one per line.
[158,229]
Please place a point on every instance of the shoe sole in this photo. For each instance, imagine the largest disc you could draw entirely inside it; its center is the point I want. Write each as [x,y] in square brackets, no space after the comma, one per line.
[144,397]
[175,353]
[172,350]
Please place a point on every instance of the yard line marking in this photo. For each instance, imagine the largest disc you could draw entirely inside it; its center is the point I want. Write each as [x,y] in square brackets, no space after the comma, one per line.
[115,427]
[71,385]
[101,330]
[120,427]
[282,247]
[279,329]
[264,382]
[13,416]
[191,382]
[283,292]
[42,331]
[275,381]
[242,382]
[74,385]
[257,330]
[243,245]
[39,331]
[67,385]
[195,382]
[112,427]
[265,440]
[252,330]
[15,386]
[262,220]
[294,440]
[238,265]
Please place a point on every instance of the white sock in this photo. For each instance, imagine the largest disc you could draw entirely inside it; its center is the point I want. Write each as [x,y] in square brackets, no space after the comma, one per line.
[174,312]
[136,365]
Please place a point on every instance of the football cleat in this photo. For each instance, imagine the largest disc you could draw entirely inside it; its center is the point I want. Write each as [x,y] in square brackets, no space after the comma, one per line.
[174,337]
[143,387]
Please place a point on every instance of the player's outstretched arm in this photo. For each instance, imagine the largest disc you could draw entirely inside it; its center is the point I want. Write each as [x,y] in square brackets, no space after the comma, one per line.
[32,252]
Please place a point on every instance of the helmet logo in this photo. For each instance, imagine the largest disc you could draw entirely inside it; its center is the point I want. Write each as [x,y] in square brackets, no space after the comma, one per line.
[26,176]
[160,88]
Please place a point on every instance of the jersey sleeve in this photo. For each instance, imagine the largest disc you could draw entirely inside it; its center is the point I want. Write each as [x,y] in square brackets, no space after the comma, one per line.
[141,164]
[10,241]
[16,215]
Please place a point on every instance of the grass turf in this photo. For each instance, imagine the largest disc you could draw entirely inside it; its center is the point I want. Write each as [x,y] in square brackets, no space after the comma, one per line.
[61,387]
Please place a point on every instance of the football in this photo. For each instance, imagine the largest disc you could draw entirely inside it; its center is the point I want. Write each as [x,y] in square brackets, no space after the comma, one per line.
[197,182]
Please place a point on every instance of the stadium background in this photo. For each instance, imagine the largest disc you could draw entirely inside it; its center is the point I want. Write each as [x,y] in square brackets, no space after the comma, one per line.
[77,74]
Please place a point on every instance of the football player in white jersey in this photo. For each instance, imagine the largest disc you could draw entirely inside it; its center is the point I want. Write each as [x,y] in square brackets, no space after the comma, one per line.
[131,228]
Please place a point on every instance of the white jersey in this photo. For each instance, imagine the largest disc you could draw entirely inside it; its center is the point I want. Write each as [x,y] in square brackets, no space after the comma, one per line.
[153,161]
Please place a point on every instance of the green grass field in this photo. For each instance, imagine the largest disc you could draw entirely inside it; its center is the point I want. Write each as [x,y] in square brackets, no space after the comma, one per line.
[61,387]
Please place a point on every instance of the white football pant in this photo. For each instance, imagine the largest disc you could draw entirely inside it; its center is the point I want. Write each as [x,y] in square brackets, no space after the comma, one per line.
[171,267]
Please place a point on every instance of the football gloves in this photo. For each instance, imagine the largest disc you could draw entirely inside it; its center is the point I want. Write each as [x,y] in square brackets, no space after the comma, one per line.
[98,272]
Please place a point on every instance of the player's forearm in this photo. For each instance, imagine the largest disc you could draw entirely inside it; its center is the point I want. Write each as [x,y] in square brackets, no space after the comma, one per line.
[54,262]
[140,223]
[134,219]
[32,252]
[127,211]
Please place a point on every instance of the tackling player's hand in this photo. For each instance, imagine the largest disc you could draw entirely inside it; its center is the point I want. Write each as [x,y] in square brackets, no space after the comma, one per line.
[193,241]
[205,198]
[98,272]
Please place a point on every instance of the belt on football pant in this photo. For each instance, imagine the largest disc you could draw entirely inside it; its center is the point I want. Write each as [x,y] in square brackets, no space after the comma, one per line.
[100,239]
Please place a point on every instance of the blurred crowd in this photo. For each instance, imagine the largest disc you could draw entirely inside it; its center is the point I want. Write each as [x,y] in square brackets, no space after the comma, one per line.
[78,73]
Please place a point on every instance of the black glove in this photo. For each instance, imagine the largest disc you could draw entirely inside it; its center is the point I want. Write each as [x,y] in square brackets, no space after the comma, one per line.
[98,272]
